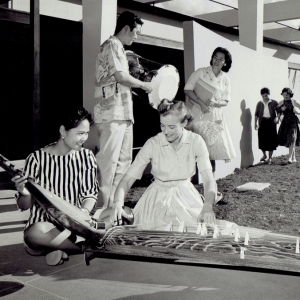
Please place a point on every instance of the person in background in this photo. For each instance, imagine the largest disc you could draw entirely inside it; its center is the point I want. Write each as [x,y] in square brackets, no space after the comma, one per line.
[67,170]
[265,121]
[173,154]
[211,109]
[113,112]
[288,133]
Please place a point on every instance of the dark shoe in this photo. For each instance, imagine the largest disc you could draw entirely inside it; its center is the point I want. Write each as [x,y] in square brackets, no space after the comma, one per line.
[219,197]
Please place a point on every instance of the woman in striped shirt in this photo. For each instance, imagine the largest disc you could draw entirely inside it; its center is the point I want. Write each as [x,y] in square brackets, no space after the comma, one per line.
[68,170]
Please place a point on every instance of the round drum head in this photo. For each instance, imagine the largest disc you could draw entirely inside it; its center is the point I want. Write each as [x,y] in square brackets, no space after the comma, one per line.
[165,85]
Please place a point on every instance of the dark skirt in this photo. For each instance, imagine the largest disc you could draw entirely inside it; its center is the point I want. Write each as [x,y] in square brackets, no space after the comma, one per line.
[267,135]
[288,133]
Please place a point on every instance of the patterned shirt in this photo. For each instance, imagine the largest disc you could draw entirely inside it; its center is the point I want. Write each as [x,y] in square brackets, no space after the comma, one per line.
[168,164]
[113,100]
[71,177]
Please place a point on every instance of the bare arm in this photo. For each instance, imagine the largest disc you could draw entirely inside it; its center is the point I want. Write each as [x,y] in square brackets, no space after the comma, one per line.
[24,201]
[196,100]
[129,81]
[219,103]
[117,211]
[209,184]
[88,204]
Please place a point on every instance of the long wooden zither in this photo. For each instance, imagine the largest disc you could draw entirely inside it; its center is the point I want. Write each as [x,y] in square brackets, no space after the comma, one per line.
[263,249]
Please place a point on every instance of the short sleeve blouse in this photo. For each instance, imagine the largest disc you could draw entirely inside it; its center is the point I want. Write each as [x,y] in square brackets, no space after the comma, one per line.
[221,83]
[168,164]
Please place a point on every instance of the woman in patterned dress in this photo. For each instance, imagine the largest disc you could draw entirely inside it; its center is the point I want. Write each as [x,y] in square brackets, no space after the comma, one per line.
[211,109]
[171,197]
[68,170]
[288,133]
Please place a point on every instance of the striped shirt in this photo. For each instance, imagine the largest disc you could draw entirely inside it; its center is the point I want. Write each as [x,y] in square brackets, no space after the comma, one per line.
[72,177]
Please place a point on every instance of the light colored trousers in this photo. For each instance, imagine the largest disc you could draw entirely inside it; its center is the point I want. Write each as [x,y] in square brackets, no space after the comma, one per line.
[113,158]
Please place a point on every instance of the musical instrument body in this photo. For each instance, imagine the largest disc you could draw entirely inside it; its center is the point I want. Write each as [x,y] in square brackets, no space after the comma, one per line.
[264,250]
[64,213]
[164,79]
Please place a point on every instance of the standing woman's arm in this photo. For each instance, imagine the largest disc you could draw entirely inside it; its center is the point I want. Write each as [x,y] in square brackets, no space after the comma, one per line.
[296,105]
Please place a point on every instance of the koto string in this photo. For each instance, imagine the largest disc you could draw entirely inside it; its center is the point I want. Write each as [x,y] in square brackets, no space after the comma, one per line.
[190,235]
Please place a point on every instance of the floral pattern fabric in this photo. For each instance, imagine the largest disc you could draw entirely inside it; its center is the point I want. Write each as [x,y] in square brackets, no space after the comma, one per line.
[113,100]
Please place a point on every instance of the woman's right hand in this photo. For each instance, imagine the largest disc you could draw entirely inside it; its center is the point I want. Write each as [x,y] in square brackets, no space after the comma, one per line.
[276,120]
[117,213]
[20,182]
[147,87]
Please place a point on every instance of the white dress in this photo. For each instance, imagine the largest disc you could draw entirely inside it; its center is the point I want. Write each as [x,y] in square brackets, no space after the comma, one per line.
[171,197]
[223,148]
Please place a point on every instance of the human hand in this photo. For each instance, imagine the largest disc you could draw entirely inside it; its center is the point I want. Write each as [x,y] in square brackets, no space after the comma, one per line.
[283,108]
[276,120]
[147,87]
[255,127]
[212,102]
[20,182]
[205,109]
[207,215]
[85,210]
[117,213]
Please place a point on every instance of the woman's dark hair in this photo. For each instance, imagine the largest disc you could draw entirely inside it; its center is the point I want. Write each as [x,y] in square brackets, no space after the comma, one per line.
[265,90]
[176,107]
[127,18]
[72,117]
[287,90]
[228,58]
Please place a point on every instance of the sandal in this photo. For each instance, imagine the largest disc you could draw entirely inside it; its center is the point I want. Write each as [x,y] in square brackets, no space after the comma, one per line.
[269,161]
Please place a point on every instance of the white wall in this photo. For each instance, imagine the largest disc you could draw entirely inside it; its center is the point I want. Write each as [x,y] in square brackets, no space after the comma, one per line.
[249,73]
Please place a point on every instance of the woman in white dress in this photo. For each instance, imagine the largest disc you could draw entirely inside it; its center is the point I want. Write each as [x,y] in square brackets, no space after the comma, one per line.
[173,155]
[211,109]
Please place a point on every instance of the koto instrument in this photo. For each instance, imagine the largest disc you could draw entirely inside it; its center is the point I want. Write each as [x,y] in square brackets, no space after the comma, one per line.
[164,79]
[237,246]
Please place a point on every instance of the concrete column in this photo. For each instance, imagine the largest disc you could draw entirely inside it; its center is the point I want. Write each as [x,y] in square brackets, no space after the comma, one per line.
[188,49]
[251,17]
[99,22]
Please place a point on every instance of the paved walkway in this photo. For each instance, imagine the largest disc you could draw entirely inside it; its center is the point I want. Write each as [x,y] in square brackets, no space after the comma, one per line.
[26,277]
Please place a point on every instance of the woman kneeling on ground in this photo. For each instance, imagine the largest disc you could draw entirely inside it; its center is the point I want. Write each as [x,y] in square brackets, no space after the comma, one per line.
[64,167]
[171,197]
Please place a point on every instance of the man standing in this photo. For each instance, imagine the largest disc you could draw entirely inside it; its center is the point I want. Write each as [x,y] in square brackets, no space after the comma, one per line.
[113,112]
